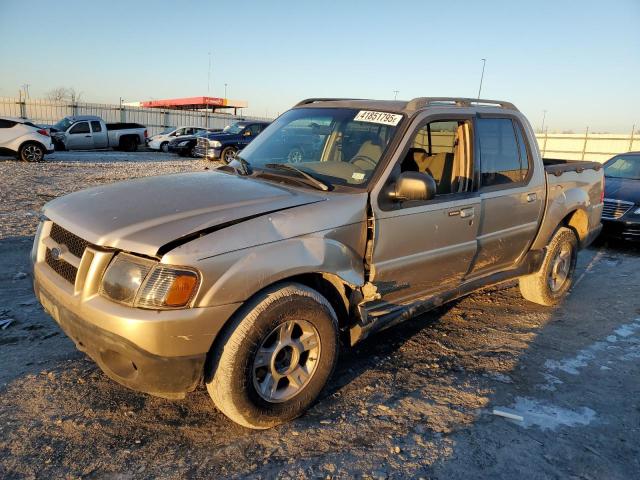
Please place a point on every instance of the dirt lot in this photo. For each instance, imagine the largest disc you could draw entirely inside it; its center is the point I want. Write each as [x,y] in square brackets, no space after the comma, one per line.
[415,401]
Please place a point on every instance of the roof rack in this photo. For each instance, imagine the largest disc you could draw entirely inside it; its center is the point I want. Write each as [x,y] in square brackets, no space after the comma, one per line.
[307,101]
[422,102]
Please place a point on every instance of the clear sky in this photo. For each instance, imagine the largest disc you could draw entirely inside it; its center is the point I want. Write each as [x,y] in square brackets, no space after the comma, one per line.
[579,60]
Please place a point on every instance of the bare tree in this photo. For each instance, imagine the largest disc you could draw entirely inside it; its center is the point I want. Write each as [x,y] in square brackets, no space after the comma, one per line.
[64,94]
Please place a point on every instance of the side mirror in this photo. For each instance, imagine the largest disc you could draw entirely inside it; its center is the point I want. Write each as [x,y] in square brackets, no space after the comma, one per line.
[413,186]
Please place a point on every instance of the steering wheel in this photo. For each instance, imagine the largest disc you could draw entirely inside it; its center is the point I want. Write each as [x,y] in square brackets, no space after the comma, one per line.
[364,162]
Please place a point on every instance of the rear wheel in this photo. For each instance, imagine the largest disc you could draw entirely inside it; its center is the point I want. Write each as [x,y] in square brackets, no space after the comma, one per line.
[31,152]
[275,358]
[227,154]
[129,144]
[548,285]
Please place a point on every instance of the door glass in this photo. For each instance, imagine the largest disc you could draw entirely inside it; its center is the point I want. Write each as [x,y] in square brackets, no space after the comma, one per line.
[80,127]
[96,127]
[499,154]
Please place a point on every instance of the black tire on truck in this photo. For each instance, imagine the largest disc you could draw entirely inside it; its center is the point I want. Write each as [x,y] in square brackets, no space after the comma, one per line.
[129,144]
[227,154]
[275,357]
[554,279]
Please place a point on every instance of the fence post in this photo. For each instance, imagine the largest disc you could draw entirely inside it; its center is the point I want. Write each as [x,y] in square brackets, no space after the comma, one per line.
[584,147]
[633,130]
[23,107]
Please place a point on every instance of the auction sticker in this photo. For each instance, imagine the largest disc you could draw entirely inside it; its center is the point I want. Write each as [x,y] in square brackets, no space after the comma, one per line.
[382,118]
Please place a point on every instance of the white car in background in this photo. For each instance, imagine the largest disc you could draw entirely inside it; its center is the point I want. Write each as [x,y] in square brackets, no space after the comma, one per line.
[161,140]
[20,137]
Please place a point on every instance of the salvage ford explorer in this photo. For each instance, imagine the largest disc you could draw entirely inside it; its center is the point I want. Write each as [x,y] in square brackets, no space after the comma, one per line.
[248,278]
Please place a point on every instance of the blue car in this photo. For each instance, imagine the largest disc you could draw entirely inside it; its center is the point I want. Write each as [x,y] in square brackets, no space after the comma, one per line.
[224,145]
[621,213]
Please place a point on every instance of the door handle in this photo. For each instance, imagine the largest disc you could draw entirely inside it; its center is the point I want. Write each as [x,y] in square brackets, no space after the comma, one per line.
[531,197]
[467,212]
[87,136]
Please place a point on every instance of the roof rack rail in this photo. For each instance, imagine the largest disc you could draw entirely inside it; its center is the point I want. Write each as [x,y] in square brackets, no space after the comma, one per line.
[422,102]
[307,101]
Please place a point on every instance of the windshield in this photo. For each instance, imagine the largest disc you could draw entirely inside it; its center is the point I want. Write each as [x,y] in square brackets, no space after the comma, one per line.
[234,129]
[339,146]
[167,131]
[626,166]
[62,125]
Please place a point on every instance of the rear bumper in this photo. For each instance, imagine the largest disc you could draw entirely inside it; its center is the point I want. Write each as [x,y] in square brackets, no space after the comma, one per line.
[624,229]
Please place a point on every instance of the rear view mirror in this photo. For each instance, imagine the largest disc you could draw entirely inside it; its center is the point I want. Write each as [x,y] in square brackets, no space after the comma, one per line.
[413,186]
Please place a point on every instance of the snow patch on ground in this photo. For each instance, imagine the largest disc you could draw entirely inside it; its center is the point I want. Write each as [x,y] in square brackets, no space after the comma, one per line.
[547,416]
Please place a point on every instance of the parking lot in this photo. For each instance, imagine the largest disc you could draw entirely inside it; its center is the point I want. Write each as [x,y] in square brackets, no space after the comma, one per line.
[414,401]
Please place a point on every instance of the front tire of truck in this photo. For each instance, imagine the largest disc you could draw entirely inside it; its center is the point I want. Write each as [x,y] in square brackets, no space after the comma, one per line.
[554,279]
[275,358]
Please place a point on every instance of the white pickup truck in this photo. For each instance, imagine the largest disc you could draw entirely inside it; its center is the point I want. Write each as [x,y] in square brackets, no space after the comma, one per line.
[89,132]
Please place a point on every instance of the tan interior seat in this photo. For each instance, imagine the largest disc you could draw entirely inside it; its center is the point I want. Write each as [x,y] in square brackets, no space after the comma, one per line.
[368,155]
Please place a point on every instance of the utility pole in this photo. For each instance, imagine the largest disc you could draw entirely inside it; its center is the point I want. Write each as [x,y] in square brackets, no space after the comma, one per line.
[544,115]
[395,94]
[225,90]
[484,62]
[25,87]
[209,75]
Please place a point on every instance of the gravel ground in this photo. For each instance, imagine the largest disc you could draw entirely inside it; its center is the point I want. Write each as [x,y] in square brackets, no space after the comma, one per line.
[416,401]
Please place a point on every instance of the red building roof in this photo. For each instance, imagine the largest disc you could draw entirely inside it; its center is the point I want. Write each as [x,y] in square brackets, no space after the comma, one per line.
[194,103]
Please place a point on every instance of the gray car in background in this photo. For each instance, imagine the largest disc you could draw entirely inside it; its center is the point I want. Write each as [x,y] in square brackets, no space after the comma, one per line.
[89,132]
[249,277]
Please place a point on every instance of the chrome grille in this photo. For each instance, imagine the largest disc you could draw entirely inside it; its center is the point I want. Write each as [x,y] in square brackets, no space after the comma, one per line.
[62,268]
[614,209]
[75,244]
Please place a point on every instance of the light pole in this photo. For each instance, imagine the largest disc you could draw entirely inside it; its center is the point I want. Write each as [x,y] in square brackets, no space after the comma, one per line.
[395,94]
[225,90]
[484,62]
[209,75]
[544,116]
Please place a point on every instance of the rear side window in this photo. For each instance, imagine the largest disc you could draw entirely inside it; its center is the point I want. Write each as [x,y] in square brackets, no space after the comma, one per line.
[503,159]
[80,127]
[95,126]
[6,123]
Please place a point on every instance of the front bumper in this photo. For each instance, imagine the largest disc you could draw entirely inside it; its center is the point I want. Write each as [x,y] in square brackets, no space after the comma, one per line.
[209,153]
[161,352]
[623,228]
[178,149]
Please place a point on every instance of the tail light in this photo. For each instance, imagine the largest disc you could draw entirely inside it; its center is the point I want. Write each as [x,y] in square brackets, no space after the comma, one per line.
[42,131]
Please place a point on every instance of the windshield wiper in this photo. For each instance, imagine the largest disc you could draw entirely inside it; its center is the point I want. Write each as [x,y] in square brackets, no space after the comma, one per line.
[285,166]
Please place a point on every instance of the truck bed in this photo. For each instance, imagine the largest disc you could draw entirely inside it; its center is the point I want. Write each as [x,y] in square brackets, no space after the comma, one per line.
[557,167]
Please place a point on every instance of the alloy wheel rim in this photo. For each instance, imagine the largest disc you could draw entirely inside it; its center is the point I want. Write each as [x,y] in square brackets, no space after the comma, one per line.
[228,156]
[286,361]
[560,268]
[32,153]
[295,156]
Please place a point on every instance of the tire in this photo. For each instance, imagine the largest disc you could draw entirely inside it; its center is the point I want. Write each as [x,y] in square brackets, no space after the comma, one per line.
[128,144]
[164,147]
[267,331]
[227,154]
[295,155]
[192,152]
[31,152]
[554,279]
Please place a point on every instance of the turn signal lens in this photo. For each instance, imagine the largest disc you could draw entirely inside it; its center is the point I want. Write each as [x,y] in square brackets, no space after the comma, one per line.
[181,291]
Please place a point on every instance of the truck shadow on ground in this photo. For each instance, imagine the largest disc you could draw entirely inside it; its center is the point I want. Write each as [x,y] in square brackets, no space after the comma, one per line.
[412,400]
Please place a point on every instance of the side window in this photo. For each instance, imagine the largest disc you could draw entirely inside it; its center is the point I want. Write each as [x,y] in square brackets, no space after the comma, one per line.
[499,152]
[80,127]
[95,126]
[6,123]
[255,129]
[443,150]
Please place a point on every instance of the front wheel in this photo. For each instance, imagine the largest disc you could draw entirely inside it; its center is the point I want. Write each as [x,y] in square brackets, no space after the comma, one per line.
[31,152]
[164,146]
[227,154]
[554,279]
[275,358]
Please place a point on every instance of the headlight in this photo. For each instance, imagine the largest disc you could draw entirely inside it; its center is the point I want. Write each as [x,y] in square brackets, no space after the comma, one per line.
[637,211]
[183,144]
[215,144]
[143,283]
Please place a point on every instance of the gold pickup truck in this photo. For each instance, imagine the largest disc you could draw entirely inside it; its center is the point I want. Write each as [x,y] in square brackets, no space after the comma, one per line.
[249,278]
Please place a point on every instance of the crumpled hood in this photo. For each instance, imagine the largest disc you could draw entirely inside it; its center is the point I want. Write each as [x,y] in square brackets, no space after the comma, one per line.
[146,214]
[622,189]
